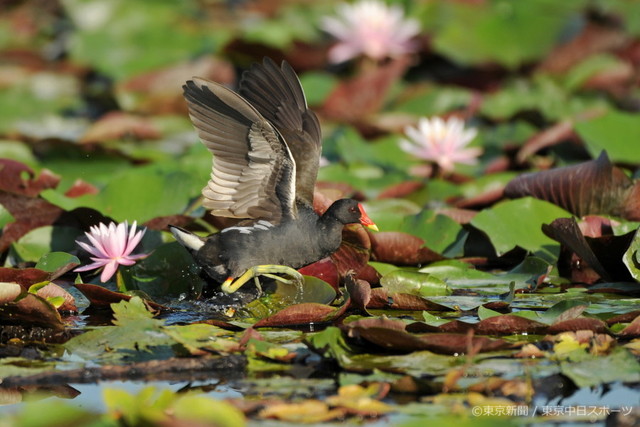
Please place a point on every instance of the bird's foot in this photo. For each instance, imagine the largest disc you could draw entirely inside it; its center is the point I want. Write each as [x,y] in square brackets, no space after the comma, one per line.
[271,271]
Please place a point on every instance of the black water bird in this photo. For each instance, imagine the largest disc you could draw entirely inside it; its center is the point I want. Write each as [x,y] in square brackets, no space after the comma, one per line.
[266,146]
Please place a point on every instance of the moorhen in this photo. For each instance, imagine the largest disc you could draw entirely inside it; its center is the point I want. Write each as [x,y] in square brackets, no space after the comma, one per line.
[266,146]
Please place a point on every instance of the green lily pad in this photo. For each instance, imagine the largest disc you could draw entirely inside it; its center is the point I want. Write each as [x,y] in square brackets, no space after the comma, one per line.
[115,49]
[43,240]
[54,260]
[620,365]
[615,131]
[134,331]
[439,232]
[137,194]
[509,33]
[410,282]
[518,223]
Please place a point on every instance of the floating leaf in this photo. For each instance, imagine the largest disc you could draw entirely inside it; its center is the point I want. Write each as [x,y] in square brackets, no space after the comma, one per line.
[302,314]
[563,310]
[518,223]
[354,100]
[25,276]
[135,330]
[578,324]
[29,213]
[52,261]
[507,33]
[43,240]
[508,324]
[52,292]
[621,365]
[114,51]
[439,232]
[632,329]
[363,401]
[330,343]
[616,132]
[409,282]
[31,310]
[202,339]
[17,178]
[325,270]
[133,194]
[314,290]
[382,298]
[401,249]
[308,411]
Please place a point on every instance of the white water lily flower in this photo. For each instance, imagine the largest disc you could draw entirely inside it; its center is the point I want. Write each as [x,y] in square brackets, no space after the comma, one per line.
[371,28]
[442,142]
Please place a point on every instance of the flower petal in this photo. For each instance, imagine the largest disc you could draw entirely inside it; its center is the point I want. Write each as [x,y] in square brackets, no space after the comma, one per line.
[91,249]
[109,270]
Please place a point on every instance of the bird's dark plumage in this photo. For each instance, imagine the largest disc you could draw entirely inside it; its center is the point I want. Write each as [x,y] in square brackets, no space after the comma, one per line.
[266,147]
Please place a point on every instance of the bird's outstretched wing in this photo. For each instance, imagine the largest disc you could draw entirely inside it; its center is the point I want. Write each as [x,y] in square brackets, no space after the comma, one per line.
[253,174]
[277,94]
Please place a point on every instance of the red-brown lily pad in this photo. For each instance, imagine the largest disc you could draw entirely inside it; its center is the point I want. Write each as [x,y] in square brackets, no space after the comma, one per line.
[25,277]
[391,339]
[29,213]
[461,343]
[81,188]
[18,178]
[593,187]
[302,314]
[382,298]
[355,99]
[355,251]
[632,329]
[623,318]
[395,247]
[31,310]
[325,269]
[392,336]
[508,324]
[578,324]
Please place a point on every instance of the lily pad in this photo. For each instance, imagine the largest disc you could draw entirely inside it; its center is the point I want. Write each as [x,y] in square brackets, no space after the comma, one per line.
[518,223]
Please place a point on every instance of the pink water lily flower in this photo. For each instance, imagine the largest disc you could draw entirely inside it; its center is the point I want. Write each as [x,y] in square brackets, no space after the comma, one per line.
[372,28]
[111,246]
[442,142]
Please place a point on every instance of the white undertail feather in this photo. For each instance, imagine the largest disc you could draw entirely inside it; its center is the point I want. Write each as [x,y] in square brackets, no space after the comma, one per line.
[188,240]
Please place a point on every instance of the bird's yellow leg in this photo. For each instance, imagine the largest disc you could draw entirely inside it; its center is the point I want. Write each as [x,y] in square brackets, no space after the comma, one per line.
[269,270]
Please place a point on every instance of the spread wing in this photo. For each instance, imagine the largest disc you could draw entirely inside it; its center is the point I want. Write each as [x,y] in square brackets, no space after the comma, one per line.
[277,94]
[253,174]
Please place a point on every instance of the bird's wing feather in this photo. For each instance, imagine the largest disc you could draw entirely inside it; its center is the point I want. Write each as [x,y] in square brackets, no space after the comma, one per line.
[253,173]
[277,94]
